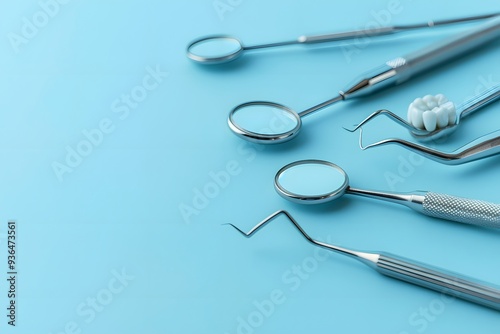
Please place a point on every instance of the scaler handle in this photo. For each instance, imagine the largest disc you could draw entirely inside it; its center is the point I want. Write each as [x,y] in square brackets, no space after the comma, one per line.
[446,282]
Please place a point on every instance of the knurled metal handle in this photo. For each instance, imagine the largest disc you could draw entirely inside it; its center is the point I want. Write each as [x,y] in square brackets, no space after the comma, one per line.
[463,210]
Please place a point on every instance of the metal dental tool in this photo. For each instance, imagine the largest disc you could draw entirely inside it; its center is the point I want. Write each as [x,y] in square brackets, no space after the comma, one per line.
[483,147]
[407,270]
[221,48]
[490,95]
[318,181]
[269,123]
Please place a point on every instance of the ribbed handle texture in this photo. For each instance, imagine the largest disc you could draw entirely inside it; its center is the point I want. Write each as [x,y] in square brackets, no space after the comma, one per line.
[440,280]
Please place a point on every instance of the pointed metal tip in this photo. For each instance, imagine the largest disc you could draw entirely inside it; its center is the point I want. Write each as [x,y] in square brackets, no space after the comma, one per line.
[356,127]
[267,220]
[236,228]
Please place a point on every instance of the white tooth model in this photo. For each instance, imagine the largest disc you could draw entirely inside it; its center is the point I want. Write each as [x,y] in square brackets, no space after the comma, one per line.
[432,112]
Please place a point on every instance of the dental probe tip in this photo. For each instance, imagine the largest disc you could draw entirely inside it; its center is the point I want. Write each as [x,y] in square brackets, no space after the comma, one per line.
[229,224]
[351,130]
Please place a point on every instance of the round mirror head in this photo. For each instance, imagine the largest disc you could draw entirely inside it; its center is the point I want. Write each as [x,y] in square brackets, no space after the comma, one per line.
[311,181]
[214,49]
[264,122]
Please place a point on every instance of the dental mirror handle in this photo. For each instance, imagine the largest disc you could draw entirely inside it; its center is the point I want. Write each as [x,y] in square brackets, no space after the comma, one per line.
[438,279]
[401,69]
[385,30]
[462,210]
[347,35]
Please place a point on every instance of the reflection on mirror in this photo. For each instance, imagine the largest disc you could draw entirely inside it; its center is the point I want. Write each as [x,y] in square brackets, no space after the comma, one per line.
[313,179]
[215,47]
[266,119]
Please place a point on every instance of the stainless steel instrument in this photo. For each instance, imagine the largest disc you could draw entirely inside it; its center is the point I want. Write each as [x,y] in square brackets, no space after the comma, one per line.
[269,122]
[318,181]
[490,95]
[407,270]
[221,49]
[482,147]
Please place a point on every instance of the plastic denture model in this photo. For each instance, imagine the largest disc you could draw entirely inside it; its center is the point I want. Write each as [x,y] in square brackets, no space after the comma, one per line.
[431,112]
[433,117]
[251,120]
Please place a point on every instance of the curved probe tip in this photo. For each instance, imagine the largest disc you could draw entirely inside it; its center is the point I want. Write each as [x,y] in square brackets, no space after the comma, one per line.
[361,139]
[351,130]
[370,117]
[270,218]
[237,229]
[365,147]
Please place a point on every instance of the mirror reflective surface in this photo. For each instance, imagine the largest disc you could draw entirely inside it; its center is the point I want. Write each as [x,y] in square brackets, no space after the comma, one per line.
[216,49]
[265,119]
[311,180]
[264,122]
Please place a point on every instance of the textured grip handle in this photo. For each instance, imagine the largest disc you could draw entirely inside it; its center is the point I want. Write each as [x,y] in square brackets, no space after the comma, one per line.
[440,280]
[463,210]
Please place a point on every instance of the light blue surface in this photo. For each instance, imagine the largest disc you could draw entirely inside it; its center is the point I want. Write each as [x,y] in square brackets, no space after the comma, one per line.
[134,220]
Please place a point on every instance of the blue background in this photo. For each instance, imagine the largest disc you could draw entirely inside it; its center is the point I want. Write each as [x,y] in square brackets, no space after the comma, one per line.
[120,209]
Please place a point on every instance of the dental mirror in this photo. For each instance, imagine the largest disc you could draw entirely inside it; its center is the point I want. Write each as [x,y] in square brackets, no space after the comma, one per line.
[318,181]
[278,123]
[219,49]
[311,181]
[215,49]
[264,122]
